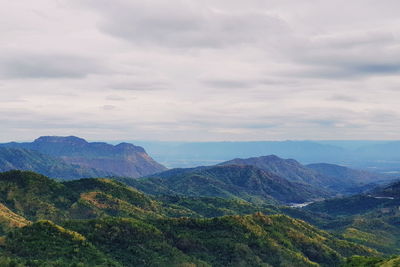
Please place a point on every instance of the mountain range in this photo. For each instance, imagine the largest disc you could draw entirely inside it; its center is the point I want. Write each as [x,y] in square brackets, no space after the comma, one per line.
[379,156]
[77,158]
[230,181]
[290,169]
[332,177]
[267,179]
[236,213]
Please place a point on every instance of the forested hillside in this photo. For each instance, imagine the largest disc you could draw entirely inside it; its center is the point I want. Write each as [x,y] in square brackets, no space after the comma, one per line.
[121,226]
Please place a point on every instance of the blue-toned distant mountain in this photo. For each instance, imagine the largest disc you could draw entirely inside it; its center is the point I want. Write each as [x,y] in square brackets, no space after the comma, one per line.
[335,178]
[120,160]
[190,154]
[23,159]
[345,174]
[259,179]
[245,182]
[288,168]
[377,156]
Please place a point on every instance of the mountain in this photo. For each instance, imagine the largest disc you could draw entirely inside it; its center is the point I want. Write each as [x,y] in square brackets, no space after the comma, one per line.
[288,168]
[121,160]
[379,198]
[23,159]
[251,240]
[378,156]
[332,177]
[356,178]
[228,181]
[346,174]
[44,243]
[371,218]
[295,172]
[189,154]
[389,191]
[36,197]
[120,226]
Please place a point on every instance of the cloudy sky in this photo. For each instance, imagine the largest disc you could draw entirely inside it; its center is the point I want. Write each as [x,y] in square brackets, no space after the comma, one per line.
[200,70]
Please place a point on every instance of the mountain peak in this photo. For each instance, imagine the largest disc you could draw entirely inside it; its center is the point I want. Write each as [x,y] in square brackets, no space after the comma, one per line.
[129,147]
[61,139]
[288,168]
[269,159]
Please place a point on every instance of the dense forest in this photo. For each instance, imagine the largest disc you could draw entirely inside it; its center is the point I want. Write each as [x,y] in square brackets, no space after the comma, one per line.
[103,222]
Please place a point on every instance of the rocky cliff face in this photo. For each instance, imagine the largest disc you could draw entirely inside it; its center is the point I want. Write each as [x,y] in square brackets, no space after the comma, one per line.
[120,160]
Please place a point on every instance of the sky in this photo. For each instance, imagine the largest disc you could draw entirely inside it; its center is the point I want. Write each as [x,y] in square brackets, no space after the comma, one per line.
[207,70]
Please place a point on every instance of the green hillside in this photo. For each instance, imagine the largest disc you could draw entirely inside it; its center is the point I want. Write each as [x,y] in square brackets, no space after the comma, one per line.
[371,219]
[47,244]
[37,197]
[251,240]
[101,222]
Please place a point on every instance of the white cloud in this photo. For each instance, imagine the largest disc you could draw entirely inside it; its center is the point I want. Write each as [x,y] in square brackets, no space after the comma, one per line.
[186,24]
[200,70]
[36,66]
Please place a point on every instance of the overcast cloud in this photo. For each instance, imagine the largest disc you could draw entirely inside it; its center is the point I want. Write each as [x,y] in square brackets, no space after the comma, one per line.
[200,70]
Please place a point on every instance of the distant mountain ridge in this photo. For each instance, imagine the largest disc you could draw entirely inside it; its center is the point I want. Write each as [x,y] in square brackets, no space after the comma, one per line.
[120,160]
[332,177]
[228,181]
[259,179]
[382,155]
[189,154]
[345,174]
[288,168]
[30,160]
